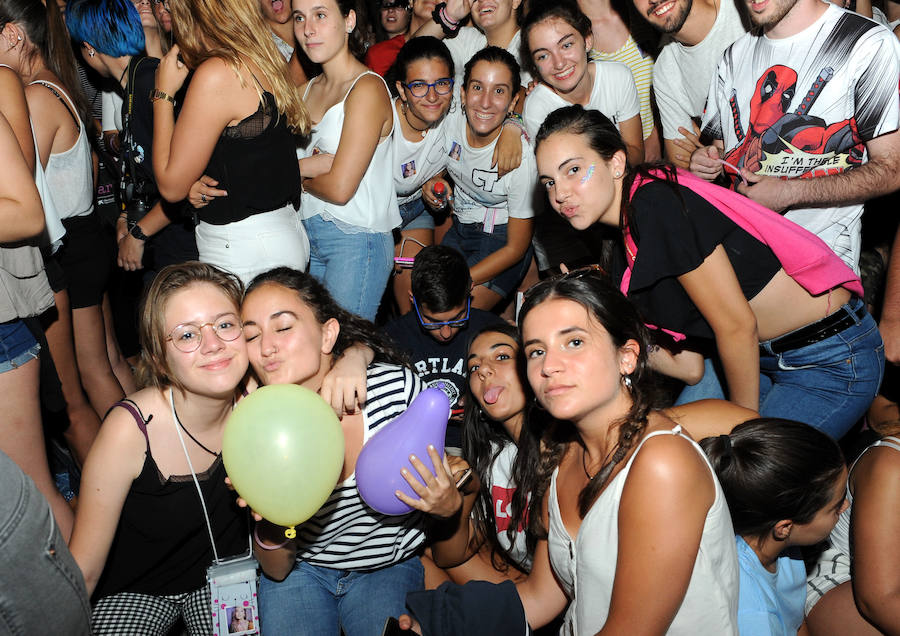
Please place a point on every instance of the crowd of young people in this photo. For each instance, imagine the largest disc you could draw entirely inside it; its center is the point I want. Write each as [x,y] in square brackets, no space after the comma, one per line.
[281,181]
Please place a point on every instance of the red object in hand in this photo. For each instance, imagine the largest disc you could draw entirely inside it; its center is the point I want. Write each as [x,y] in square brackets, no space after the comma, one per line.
[439,190]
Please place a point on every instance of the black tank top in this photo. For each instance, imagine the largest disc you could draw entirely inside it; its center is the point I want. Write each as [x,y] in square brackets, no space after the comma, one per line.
[255,161]
[161,545]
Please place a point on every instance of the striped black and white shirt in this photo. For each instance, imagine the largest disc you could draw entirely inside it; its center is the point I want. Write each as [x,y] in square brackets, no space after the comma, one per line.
[345,533]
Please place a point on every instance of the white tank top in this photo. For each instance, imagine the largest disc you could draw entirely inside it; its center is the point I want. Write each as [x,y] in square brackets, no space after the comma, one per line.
[374,206]
[586,567]
[840,534]
[70,175]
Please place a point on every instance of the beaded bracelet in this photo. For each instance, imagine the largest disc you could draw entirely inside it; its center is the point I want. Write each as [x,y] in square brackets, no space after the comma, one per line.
[266,546]
[515,119]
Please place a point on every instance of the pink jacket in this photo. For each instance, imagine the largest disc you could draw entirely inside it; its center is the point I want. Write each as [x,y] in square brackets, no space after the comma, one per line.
[802,254]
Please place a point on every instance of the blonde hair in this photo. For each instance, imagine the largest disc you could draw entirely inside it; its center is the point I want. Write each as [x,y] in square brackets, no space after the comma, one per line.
[153,368]
[230,29]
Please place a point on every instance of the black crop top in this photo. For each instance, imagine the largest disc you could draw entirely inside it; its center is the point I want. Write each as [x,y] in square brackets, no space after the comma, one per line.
[674,235]
[161,545]
[255,161]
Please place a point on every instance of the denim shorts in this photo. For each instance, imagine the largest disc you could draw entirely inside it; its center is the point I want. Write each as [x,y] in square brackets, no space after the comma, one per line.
[476,245]
[17,345]
[415,216]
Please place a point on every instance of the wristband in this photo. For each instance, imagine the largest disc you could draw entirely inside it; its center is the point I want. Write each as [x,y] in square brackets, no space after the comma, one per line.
[448,25]
[156,95]
[135,230]
[266,546]
[515,119]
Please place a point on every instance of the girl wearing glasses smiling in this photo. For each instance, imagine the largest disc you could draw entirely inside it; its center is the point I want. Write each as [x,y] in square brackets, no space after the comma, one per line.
[492,213]
[140,537]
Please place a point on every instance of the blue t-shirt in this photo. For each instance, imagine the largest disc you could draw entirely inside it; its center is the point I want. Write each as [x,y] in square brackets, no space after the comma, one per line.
[770,602]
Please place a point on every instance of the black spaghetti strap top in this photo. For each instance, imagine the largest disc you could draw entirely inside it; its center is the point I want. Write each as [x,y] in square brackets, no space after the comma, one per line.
[161,545]
[256,162]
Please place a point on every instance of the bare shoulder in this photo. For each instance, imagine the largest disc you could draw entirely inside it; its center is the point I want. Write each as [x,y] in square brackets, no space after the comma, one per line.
[671,462]
[371,90]
[879,465]
[9,80]
[215,73]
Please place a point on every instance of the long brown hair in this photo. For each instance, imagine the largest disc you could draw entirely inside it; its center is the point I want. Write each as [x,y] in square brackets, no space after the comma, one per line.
[619,317]
[47,33]
[230,30]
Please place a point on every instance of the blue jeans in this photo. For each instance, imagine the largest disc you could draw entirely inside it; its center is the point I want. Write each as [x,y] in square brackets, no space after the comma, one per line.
[317,601]
[17,345]
[41,588]
[415,216]
[353,267]
[476,245]
[828,384]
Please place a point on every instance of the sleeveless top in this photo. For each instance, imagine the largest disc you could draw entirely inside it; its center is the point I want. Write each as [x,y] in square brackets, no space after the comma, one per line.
[70,174]
[840,535]
[24,289]
[373,208]
[586,567]
[161,545]
[255,162]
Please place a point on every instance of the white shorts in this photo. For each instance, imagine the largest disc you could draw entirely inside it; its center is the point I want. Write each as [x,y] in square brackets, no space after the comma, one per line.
[255,245]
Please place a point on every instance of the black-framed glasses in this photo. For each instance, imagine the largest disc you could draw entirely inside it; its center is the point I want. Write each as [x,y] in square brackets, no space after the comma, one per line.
[187,337]
[441,86]
[434,326]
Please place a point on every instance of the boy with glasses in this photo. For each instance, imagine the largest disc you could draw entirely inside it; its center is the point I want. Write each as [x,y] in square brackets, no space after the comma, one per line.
[434,333]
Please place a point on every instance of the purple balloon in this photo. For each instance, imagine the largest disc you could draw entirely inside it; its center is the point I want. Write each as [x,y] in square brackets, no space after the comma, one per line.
[378,467]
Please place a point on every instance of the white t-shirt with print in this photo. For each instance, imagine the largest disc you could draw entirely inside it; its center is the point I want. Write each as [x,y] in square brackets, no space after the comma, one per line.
[613,94]
[804,106]
[480,196]
[682,74]
[469,41]
[502,488]
[415,162]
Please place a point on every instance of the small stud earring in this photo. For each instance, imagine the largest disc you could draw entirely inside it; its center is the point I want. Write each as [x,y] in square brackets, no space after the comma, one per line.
[349,30]
[19,38]
[627,381]
[618,174]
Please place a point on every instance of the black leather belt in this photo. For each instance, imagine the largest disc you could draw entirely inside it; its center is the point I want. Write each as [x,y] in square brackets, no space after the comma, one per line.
[817,331]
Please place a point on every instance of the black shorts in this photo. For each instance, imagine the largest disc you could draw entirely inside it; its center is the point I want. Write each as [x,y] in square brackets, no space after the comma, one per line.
[86,260]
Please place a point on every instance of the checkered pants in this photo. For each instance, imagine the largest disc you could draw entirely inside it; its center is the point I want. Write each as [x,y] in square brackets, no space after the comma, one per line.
[130,614]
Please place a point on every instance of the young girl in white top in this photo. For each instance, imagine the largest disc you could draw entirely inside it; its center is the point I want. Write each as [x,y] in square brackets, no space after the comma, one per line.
[423,76]
[346,163]
[785,484]
[640,538]
[492,214]
[556,38]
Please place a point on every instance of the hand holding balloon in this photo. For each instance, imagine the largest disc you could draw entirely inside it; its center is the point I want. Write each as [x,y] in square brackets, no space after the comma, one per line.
[379,463]
[438,496]
[283,450]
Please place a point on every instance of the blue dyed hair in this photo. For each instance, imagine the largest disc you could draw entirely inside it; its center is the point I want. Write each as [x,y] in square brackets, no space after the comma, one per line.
[113,27]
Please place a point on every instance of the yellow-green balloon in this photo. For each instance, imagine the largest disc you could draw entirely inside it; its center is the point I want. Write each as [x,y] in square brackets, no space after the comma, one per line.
[283,449]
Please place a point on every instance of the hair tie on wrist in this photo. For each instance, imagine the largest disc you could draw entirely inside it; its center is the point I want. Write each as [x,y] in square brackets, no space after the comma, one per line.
[266,546]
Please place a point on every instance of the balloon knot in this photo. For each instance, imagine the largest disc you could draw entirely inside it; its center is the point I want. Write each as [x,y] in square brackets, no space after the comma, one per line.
[290,533]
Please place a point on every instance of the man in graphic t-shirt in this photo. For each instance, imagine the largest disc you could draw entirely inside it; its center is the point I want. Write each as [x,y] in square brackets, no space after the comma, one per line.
[436,333]
[805,114]
[695,34]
